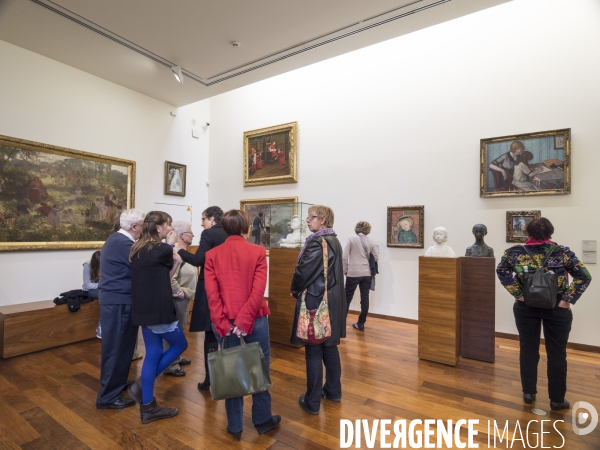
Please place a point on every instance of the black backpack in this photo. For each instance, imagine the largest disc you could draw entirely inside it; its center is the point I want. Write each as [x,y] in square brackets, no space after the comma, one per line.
[540,288]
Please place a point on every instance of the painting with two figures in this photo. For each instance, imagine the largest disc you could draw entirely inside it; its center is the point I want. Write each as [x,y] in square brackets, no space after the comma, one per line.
[526,164]
[57,198]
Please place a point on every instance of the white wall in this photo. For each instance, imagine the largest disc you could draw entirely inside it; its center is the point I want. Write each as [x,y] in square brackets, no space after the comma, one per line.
[46,101]
[399,123]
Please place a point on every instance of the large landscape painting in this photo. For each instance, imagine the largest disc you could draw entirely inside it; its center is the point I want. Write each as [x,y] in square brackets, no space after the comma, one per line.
[56,198]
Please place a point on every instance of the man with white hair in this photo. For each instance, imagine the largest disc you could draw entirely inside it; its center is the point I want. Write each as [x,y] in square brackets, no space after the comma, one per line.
[183,287]
[118,332]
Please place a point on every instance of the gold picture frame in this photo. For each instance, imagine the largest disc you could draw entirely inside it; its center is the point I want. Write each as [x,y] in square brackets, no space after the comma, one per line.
[57,198]
[271,155]
[175,178]
[526,164]
[516,222]
[413,235]
[264,204]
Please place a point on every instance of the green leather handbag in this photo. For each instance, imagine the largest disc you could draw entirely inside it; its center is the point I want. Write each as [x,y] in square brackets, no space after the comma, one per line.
[238,371]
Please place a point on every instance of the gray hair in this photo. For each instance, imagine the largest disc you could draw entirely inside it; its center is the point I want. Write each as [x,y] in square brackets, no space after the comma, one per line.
[181,226]
[130,217]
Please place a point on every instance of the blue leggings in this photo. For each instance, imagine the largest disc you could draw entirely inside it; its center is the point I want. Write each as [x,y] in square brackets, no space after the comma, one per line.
[155,361]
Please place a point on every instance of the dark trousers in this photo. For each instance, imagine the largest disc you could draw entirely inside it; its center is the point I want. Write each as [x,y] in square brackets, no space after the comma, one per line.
[316,356]
[557,325]
[261,402]
[363,283]
[118,341]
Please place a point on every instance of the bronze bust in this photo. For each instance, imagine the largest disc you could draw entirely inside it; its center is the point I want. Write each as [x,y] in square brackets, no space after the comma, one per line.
[479,248]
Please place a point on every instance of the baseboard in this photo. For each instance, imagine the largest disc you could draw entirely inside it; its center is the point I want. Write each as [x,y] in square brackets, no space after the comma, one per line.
[392,318]
[513,337]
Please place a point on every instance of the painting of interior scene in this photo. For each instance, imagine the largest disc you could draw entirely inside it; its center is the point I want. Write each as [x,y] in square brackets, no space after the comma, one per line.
[405,227]
[534,165]
[47,197]
[269,155]
[272,224]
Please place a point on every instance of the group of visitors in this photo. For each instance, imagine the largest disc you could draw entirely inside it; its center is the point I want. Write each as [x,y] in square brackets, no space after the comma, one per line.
[148,279]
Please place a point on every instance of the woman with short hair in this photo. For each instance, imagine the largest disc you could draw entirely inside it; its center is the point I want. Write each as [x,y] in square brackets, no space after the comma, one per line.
[556,322]
[309,279]
[357,270]
[212,236]
[235,281]
[153,264]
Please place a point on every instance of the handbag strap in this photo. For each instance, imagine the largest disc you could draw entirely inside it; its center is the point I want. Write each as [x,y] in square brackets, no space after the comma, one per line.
[325,264]
[545,260]
[225,339]
[364,247]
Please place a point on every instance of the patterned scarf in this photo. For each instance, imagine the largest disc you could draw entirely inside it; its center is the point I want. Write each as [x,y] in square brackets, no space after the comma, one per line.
[532,241]
[323,232]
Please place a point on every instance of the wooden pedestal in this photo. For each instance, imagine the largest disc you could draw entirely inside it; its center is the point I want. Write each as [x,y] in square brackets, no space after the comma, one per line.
[439,309]
[282,263]
[478,308]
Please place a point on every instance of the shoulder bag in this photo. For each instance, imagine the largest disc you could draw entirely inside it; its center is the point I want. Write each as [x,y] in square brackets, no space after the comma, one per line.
[540,288]
[238,371]
[314,325]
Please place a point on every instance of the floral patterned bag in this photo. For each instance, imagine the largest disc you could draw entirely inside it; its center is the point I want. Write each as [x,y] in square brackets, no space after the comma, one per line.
[314,326]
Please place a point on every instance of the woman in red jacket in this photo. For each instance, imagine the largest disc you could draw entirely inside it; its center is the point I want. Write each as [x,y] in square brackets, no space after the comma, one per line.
[235,278]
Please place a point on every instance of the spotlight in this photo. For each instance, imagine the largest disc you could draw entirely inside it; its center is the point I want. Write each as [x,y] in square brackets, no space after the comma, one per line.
[177,73]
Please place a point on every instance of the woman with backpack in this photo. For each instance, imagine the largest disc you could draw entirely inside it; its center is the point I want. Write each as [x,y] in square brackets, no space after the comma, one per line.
[543,298]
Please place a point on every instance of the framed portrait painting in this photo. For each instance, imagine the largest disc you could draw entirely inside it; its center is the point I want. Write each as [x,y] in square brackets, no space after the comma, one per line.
[271,155]
[269,218]
[175,175]
[526,164]
[516,224]
[405,225]
[55,198]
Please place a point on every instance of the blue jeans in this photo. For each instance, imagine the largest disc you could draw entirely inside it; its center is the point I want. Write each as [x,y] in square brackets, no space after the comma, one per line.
[261,402]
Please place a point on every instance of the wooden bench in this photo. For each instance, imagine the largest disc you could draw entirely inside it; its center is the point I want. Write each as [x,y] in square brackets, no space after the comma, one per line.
[31,327]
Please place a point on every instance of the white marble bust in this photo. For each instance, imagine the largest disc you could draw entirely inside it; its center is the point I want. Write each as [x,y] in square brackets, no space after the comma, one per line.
[440,249]
[297,237]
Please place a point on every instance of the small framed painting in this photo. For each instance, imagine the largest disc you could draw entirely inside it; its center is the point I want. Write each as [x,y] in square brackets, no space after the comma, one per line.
[526,164]
[516,224]
[271,155]
[405,225]
[175,175]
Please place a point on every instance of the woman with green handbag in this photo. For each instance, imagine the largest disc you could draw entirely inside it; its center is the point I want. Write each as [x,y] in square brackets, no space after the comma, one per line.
[235,278]
[320,319]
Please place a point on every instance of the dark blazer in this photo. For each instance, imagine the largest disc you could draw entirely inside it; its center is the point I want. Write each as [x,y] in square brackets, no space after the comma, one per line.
[151,295]
[309,275]
[236,278]
[209,239]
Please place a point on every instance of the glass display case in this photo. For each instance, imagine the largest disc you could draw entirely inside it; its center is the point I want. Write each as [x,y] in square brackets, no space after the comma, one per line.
[278,225]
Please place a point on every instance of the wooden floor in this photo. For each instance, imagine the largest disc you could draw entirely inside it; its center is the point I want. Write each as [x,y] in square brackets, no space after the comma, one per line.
[47,399]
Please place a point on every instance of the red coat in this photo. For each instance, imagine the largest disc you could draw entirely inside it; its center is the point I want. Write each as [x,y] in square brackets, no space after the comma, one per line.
[235,278]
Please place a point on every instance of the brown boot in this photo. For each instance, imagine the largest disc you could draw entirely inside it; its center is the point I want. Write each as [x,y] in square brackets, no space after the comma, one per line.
[152,412]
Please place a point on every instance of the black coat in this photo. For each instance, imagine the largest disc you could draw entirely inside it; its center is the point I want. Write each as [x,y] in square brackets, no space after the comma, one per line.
[209,239]
[151,294]
[309,275]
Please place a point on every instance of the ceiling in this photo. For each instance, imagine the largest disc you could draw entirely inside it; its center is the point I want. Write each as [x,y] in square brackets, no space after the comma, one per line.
[135,42]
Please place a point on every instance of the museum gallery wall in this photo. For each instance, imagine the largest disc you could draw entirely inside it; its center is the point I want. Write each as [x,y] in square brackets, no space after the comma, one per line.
[401,123]
[51,103]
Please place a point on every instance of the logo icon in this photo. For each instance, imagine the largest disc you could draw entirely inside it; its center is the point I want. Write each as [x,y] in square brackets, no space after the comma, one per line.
[580,418]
